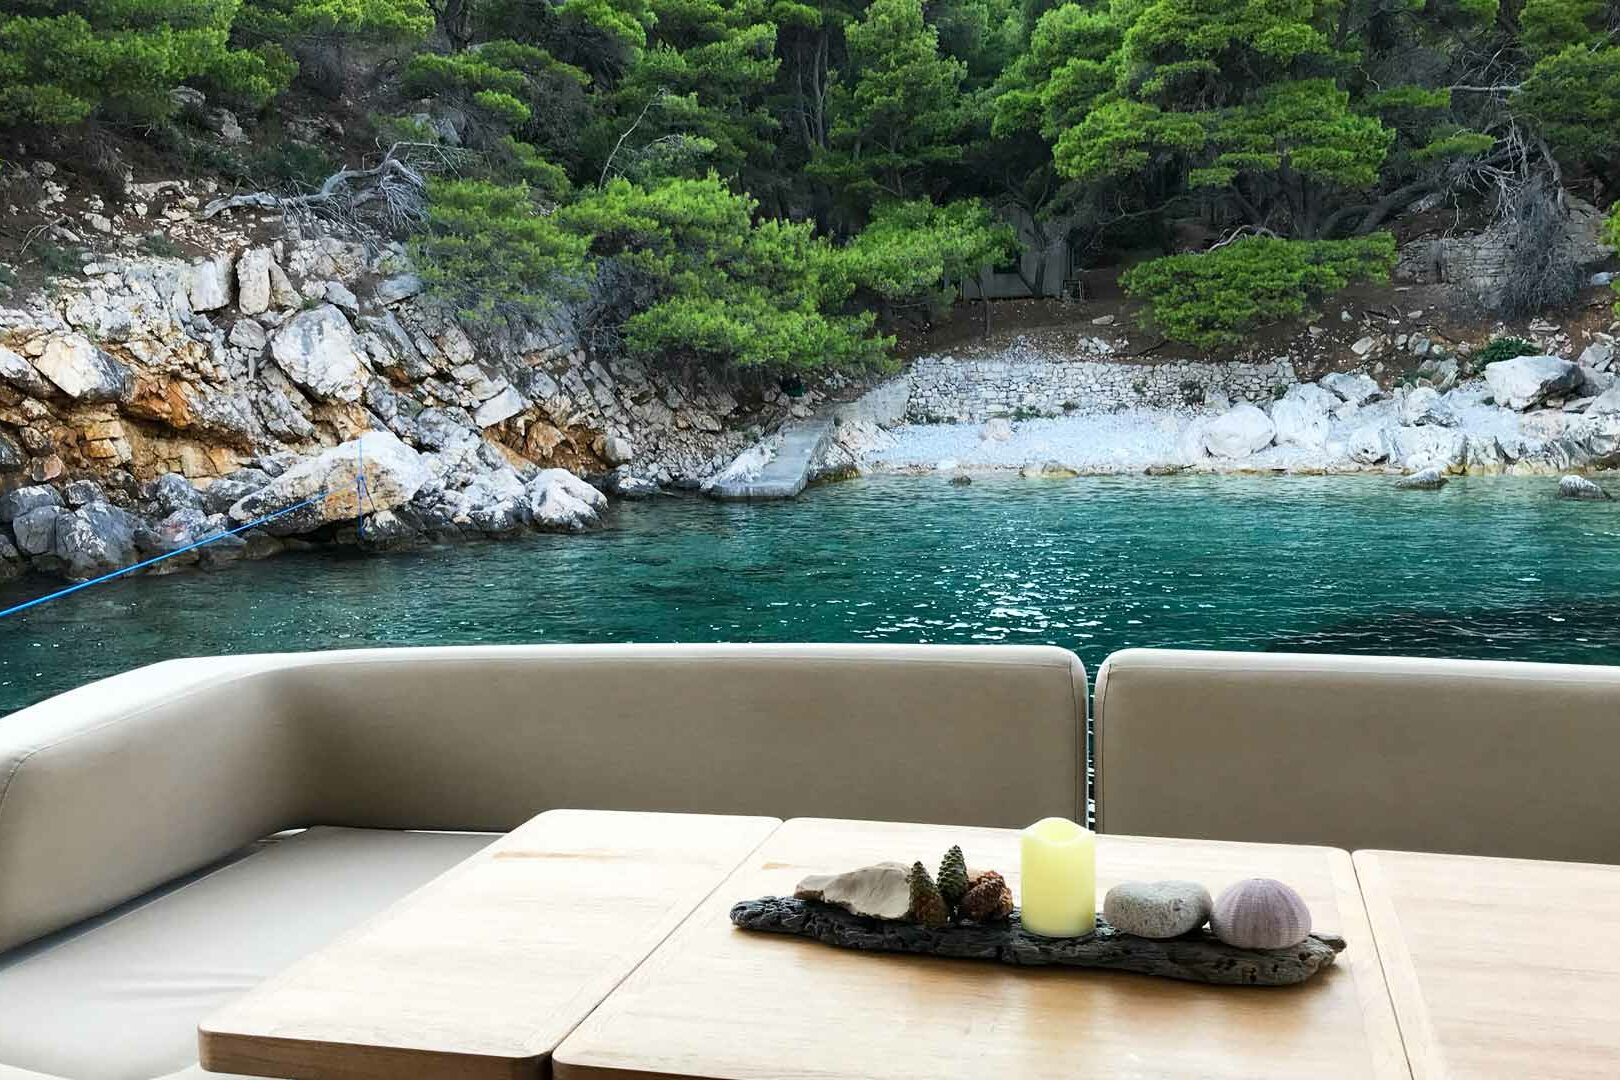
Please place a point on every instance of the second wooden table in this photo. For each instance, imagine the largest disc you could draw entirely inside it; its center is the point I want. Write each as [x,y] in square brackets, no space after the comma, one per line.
[725,1004]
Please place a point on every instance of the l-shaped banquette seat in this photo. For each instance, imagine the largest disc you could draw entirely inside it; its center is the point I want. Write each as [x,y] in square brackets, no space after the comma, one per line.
[171,836]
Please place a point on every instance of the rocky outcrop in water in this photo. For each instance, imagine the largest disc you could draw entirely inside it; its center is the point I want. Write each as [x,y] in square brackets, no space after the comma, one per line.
[255,374]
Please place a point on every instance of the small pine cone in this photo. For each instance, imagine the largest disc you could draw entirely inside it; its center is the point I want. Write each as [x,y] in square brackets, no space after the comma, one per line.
[988,900]
[927,906]
[953,877]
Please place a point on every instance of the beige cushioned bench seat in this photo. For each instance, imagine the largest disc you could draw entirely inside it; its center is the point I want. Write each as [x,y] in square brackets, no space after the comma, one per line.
[1465,756]
[121,1000]
[119,787]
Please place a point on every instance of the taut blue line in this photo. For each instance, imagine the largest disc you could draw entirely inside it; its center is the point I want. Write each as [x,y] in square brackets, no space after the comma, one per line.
[157,559]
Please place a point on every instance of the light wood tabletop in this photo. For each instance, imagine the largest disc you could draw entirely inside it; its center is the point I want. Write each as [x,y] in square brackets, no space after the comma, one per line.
[483,971]
[1499,967]
[727,1004]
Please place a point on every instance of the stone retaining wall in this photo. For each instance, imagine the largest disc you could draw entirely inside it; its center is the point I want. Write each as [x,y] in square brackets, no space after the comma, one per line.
[945,388]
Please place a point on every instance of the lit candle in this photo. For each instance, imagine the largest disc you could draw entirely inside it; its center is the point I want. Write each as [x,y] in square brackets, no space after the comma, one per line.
[1057,881]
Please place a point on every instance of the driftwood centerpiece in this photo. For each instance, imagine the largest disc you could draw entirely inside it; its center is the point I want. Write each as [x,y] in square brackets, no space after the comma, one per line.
[1194,957]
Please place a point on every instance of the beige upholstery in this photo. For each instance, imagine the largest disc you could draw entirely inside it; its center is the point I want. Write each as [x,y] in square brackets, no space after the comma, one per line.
[1476,757]
[117,787]
[121,1000]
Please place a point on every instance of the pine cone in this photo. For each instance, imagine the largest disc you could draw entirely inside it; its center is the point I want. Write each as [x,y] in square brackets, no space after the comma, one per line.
[988,899]
[927,906]
[953,878]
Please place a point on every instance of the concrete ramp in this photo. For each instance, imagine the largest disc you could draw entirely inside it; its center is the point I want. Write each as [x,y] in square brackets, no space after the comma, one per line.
[798,445]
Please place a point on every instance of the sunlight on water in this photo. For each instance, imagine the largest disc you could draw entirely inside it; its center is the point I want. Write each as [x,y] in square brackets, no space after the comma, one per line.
[1487,567]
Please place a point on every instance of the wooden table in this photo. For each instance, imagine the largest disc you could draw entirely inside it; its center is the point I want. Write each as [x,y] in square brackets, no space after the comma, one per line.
[483,971]
[1499,967]
[726,1004]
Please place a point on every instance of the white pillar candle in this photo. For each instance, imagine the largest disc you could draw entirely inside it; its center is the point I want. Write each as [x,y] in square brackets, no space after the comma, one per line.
[1057,879]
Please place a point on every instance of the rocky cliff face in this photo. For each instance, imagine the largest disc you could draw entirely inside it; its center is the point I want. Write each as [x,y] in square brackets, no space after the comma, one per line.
[151,401]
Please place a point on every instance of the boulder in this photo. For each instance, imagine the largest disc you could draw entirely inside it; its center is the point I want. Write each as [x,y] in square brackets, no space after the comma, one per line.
[219,496]
[1606,403]
[1419,448]
[560,500]
[1430,479]
[12,456]
[1599,356]
[35,529]
[175,531]
[1301,420]
[1368,444]
[617,450]
[81,370]
[253,281]
[1239,432]
[1355,387]
[18,501]
[399,287]
[339,294]
[21,374]
[318,350]
[497,504]
[1579,487]
[1424,405]
[1525,381]
[282,293]
[1593,382]
[503,406]
[208,283]
[83,493]
[248,334]
[95,539]
[393,474]
[171,492]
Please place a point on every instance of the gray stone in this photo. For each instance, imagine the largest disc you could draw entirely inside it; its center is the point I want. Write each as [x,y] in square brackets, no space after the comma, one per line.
[1524,381]
[1157,909]
[248,334]
[12,457]
[399,287]
[219,496]
[1579,487]
[171,492]
[1369,444]
[320,352]
[1430,479]
[1355,387]
[18,501]
[83,493]
[617,450]
[338,294]
[393,474]
[1424,405]
[1300,418]
[35,530]
[1419,448]
[1599,356]
[81,370]
[95,539]
[21,374]
[503,406]
[1606,403]
[208,283]
[1239,432]
[253,281]
[560,500]
[996,429]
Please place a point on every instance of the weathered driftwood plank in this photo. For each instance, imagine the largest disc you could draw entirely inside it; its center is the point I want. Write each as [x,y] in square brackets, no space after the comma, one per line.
[1195,957]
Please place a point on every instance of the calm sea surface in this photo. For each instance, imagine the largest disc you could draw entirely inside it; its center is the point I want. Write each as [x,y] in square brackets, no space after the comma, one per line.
[1485,568]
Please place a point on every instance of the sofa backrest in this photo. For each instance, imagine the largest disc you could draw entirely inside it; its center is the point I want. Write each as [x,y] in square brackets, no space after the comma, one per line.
[1466,756]
[121,785]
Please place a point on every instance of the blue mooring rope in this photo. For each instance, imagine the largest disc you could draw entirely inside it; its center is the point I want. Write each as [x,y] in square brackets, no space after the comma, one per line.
[157,559]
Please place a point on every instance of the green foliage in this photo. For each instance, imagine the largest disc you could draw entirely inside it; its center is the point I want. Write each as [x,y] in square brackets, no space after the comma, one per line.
[61,62]
[709,283]
[917,250]
[490,250]
[159,245]
[927,905]
[1504,348]
[348,22]
[1209,299]
[1574,98]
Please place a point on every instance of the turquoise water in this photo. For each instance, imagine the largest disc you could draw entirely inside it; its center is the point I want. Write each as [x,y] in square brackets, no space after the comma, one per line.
[1486,568]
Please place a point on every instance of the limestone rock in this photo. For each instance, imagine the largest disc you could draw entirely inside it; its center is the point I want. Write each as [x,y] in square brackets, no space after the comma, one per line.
[879,891]
[1300,420]
[171,492]
[253,281]
[83,493]
[208,283]
[503,406]
[19,501]
[1579,487]
[282,293]
[12,456]
[320,352]
[21,374]
[617,450]
[94,539]
[1430,479]
[1240,432]
[1369,444]
[1356,388]
[1157,909]
[393,473]
[1599,356]
[1419,448]
[1606,403]
[339,295]
[399,287]
[1260,913]
[36,529]
[1424,405]
[1525,381]
[81,370]
[248,334]
[560,500]
[996,429]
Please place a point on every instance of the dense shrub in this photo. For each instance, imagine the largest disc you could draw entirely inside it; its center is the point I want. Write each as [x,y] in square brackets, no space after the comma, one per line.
[1210,298]
[1504,348]
[918,252]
